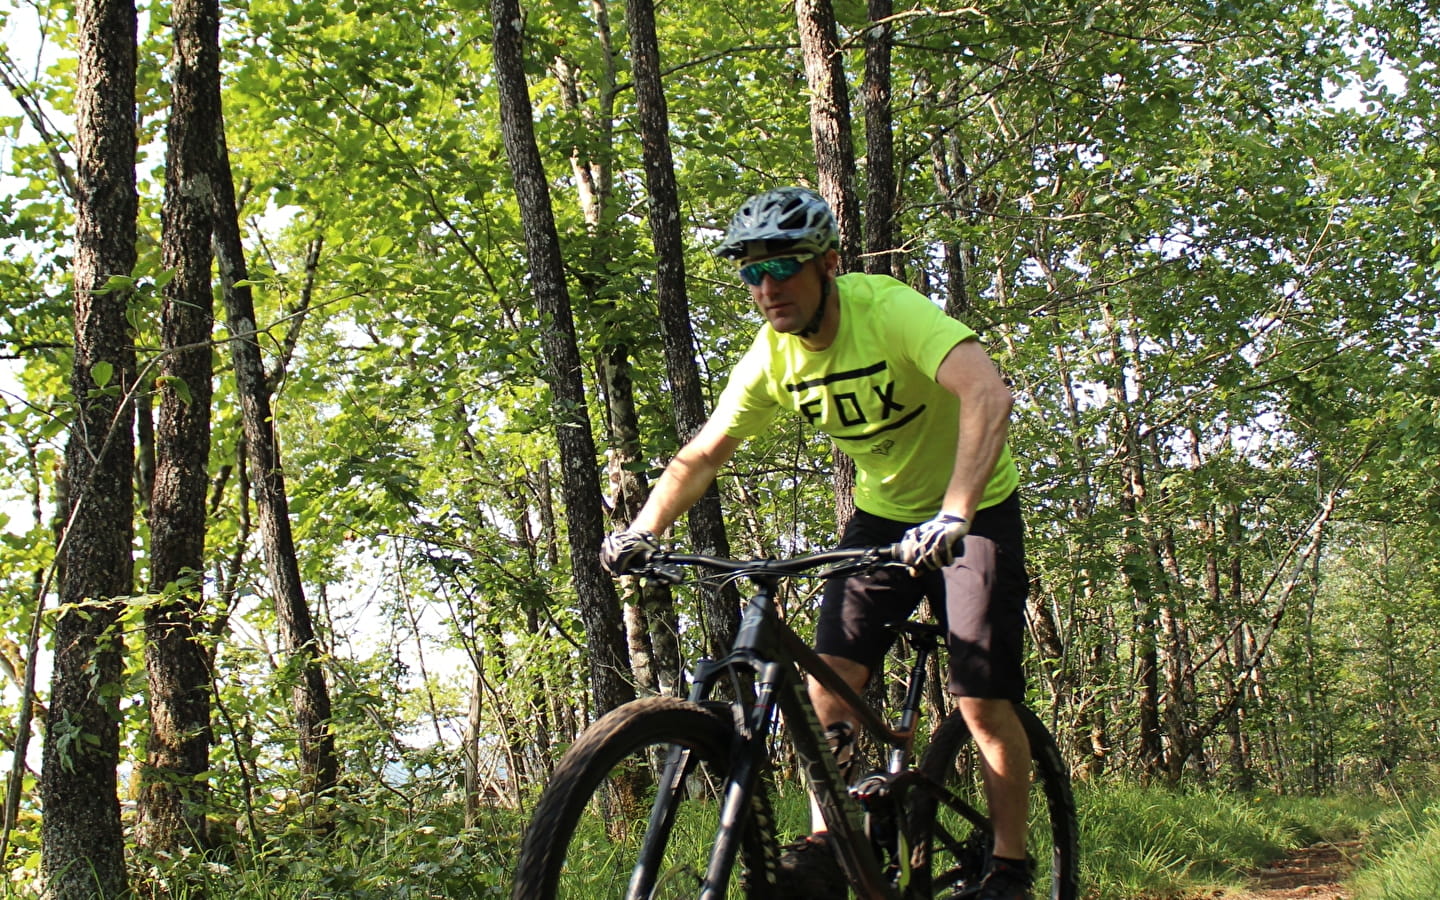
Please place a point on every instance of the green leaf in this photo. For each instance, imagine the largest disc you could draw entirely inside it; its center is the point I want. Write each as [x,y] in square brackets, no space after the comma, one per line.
[115,283]
[178,385]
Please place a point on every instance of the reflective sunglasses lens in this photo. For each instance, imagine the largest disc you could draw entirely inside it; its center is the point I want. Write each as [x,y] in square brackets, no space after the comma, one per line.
[780,268]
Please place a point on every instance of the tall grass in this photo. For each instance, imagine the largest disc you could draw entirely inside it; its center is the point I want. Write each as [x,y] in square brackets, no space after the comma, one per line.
[1150,842]
[1136,842]
[373,854]
[1404,858]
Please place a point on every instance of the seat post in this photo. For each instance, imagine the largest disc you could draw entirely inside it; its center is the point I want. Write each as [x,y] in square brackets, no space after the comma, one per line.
[925,639]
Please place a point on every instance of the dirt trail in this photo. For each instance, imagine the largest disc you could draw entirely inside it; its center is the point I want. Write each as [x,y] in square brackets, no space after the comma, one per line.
[1316,872]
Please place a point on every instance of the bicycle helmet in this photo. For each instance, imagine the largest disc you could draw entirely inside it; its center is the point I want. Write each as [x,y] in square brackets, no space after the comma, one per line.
[795,218]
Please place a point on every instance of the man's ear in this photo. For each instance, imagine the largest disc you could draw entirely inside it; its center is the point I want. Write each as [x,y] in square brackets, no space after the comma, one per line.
[832,262]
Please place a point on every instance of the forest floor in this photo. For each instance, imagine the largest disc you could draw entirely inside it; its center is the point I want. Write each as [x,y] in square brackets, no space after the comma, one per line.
[1317,872]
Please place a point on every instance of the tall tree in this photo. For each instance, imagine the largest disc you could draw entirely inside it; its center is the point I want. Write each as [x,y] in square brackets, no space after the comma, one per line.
[721,609]
[173,792]
[310,692]
[580,485]
[881,236]
[651,623]
[835,159]
[830,123]
[83,846]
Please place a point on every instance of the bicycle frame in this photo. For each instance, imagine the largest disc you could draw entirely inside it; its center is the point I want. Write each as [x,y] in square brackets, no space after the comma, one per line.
[769,649]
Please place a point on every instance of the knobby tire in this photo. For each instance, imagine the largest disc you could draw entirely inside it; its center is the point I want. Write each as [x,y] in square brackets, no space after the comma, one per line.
[584,838]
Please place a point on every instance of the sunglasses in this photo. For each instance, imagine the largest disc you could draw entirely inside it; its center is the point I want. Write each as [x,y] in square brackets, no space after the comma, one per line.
[779,268]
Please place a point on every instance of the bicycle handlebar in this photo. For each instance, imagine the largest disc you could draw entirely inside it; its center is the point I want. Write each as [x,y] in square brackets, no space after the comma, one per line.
[666,565]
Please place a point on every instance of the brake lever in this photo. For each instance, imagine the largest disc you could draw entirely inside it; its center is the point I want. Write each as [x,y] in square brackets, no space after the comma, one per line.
[876,558]
[663,573]
[845,570]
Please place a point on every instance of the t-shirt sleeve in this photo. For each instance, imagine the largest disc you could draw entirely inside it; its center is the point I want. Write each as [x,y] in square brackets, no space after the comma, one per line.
[923,330]
[747,406]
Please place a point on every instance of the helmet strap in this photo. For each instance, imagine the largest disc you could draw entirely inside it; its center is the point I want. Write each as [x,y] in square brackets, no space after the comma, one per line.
[813,326]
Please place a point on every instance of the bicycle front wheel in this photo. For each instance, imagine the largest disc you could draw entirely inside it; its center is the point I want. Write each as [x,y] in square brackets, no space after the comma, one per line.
[610,805]
[950,827]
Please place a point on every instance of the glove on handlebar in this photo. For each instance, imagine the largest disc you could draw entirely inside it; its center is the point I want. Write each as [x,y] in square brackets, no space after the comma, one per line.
[934,544]
[625,550]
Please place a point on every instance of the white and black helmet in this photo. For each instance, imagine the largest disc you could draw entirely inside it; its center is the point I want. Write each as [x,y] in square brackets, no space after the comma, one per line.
[783,219]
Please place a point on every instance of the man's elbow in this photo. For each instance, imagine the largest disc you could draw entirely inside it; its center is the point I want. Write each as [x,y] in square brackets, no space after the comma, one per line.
[993,397]
[1004,401]
[698,457]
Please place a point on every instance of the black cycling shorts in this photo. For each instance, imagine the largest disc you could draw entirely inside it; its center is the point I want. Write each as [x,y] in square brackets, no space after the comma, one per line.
[980,597]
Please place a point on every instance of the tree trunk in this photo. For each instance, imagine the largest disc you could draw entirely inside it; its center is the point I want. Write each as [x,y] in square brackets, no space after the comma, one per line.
[83,850]
[470,751]
[649,612]
[720,606]
[881,235]
[580,484]
[830,122]
[19,664]
[310,694]
[177,660]
[144,442]
[952,181]
[835,159]
[1135,560]
[1095,725]
[537,696]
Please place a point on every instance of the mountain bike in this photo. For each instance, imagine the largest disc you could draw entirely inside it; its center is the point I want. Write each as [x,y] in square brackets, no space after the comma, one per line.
[670,798]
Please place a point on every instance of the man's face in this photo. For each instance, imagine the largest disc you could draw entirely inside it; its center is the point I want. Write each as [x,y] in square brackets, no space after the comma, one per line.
[789,303]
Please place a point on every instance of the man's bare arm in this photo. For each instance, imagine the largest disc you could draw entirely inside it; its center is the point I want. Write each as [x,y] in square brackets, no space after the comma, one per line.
[686,478]
[985,403]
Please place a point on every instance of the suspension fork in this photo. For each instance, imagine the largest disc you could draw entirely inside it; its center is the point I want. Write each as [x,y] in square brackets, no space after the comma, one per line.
[747,760]
[746,755]
[662,820]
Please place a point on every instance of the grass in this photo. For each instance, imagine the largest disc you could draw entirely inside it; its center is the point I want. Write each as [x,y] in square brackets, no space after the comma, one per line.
[1136,842]
[1147,842]
[374,854]
[1404,862]
[1150,842]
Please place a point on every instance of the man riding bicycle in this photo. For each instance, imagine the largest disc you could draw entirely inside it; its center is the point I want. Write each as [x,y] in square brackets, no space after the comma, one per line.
[908,394]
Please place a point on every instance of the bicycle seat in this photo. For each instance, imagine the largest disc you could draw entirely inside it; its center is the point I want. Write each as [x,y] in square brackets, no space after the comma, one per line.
[920,634]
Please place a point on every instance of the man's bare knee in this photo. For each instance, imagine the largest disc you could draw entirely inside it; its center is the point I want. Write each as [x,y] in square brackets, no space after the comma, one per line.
[991,717]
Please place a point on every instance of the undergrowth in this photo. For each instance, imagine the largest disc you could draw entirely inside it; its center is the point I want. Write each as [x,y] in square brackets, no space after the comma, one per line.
[1136,842]
[1403,860]
[1143,842]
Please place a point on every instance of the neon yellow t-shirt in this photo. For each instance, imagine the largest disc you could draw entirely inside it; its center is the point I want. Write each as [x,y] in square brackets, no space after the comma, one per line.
[873,391]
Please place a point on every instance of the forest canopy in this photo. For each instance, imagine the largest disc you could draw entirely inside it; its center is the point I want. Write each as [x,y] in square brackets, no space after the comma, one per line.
[1201,240]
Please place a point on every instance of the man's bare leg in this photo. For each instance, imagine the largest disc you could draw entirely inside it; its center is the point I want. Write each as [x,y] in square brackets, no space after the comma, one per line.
[830,709]
[1005,757]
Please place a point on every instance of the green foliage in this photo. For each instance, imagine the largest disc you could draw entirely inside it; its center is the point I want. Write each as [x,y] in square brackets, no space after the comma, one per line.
[379,850]
[1404,861]
[1201,240]
[1138,841]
